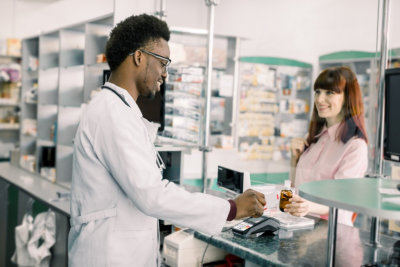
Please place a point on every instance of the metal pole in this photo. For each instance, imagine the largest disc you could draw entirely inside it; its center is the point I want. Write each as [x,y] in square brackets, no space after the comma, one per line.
[331,246]
[162,13]
[374,234]
[206,116]
[235,97]
[381,94]
[378,160]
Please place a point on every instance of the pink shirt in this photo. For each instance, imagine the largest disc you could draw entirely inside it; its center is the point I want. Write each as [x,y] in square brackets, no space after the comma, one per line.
[331,159]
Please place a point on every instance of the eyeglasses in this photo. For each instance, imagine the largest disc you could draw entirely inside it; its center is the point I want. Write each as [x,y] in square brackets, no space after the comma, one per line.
[164,65]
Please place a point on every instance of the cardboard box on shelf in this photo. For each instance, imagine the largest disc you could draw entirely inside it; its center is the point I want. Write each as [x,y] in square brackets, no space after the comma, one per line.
[14,47]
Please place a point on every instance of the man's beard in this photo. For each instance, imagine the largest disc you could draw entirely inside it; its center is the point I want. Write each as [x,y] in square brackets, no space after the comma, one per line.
[151,94]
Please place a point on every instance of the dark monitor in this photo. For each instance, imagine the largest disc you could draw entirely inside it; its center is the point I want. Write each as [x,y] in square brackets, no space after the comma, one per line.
[230,179]
[391,147]
[152,109]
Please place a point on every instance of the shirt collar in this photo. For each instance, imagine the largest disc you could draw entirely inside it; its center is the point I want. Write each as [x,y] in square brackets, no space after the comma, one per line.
[128,98]
[331,131]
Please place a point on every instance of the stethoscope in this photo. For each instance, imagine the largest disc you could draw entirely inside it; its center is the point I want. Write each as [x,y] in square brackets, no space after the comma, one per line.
[160,163]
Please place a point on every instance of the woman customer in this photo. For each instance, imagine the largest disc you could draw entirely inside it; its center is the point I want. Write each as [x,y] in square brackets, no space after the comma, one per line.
[336,145]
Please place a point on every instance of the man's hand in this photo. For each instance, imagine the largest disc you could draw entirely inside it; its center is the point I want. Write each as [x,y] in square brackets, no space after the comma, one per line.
[250,203]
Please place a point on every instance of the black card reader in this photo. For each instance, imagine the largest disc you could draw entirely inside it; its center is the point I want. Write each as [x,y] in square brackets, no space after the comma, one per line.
[253,227]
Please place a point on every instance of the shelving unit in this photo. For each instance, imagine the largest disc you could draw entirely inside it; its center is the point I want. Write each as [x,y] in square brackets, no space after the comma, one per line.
[274,106]
[364,65]
[29,107]
[9,104]
[185,91]
[65,76]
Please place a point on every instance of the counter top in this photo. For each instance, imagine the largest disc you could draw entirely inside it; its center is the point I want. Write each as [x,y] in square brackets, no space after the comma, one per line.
[358,195]
[36,186]
[302,247]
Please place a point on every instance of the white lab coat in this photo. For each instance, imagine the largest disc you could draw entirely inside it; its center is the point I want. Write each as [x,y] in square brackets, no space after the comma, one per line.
[118,192]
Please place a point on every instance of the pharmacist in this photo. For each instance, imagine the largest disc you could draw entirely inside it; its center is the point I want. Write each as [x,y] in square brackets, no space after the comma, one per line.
[117,188]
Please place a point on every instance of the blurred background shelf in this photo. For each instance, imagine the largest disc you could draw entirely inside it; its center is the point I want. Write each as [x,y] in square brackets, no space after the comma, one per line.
[9,126]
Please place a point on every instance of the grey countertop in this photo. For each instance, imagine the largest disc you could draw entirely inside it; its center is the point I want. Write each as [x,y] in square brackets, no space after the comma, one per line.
[36,186]
[303,247]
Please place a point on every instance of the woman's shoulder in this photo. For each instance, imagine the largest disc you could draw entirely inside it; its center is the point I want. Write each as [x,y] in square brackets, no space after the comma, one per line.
[357,143]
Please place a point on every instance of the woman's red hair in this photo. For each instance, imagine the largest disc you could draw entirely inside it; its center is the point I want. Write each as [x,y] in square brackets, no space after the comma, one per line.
[340,79]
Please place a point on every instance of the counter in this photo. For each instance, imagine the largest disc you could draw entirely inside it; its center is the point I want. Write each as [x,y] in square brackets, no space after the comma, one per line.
[296,248]
[36,186]
[303,247]
[353,194]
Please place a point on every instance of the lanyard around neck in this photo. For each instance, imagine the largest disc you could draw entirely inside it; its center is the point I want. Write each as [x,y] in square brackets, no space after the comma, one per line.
[159,161]
[118,94]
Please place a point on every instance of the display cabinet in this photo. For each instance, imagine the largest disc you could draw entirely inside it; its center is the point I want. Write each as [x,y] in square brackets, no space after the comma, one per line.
[274,106]
[60,71]
[185,90]
[10,83]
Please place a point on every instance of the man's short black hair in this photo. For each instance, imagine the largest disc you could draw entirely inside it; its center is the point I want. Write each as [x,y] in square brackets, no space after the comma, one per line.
[131,34]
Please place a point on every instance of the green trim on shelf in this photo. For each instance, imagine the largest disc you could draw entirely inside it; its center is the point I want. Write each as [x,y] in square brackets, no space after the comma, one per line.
[276,61]
[340,55]
[352,54]
[394,52]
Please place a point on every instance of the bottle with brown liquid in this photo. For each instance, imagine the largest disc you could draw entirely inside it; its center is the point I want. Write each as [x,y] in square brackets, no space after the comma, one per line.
[286,194]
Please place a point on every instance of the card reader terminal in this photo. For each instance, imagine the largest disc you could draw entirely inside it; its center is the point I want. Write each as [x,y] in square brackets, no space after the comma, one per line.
[253,227]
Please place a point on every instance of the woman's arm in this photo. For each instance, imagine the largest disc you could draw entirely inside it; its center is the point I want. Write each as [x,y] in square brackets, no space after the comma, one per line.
[300,207]
[353,165]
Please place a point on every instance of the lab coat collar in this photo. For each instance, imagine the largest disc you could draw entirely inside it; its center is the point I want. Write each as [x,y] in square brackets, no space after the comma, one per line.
[151,127]
[127,96]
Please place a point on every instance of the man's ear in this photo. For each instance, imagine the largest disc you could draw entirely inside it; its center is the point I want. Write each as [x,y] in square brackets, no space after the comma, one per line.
[137,57]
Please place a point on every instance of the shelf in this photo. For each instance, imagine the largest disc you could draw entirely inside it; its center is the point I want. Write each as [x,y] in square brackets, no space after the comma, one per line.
[10,56]
[103,65]
[268,101]
[41,142]
[8,102]
[298,113]
[9,126]
[31,102]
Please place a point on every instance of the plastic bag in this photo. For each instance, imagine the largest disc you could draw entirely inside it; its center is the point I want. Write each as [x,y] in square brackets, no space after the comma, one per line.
[34,240]
[21,255]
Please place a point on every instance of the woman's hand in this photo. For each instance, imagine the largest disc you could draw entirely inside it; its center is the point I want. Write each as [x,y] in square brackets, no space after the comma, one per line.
[297,147]
[298,206]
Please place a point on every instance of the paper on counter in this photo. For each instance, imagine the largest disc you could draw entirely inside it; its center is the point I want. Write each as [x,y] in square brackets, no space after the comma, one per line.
[389,191]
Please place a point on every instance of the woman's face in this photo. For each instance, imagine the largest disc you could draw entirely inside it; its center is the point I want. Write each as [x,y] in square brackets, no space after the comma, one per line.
[329,105]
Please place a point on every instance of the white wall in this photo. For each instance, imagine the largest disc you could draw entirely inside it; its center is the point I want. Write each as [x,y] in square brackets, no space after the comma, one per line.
[47,17]
[6,19]
[301,30]
[11,12]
